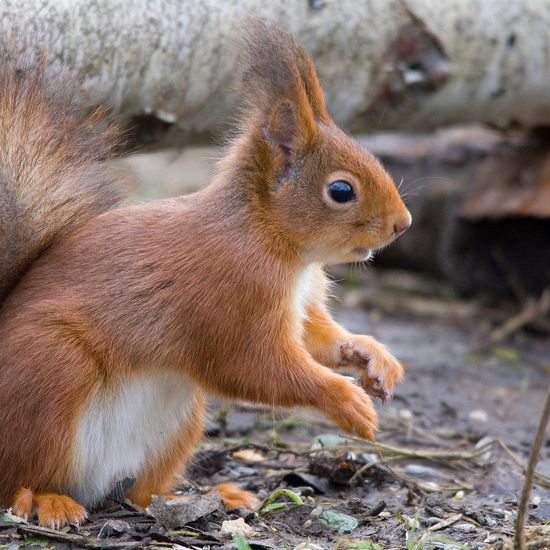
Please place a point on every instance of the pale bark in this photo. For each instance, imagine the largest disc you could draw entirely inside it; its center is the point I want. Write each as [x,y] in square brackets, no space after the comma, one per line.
[384,63]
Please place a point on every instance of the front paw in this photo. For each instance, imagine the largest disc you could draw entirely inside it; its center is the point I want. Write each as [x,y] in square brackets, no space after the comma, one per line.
[380,371]
[351,408]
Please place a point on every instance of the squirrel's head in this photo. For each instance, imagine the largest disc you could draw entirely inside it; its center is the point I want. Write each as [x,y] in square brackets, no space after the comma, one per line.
[321,188]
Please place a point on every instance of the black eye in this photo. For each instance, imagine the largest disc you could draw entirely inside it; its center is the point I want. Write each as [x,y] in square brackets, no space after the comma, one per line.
[341,191]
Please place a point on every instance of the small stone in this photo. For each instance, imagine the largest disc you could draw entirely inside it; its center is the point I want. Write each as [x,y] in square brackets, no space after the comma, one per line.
[232,527]
[248,455]
[305,491]
[308,546]
[406,414]
[316,512]
[431,486]
[459,495]
[308,523]
[177,512]
[465,527]
[420,470]
[113,527]
[535,501]
[479,416]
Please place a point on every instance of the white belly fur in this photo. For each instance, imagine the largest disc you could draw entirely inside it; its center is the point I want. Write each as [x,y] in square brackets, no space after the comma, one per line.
[122,429]
[305,289]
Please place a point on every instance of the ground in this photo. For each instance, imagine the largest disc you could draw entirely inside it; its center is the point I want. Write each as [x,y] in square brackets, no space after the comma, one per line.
[445,471]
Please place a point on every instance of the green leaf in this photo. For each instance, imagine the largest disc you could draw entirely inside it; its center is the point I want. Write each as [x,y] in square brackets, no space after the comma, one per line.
[294,497]
[241,542]
[35,540]
[273,506]
[507,353]
[337,520]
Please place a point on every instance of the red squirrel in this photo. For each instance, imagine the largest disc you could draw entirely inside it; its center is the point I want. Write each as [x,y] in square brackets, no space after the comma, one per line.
[116,322]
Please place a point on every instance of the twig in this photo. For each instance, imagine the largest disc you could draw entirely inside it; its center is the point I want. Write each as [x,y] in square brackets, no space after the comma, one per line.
[529,474]
[533,309]
[358,475]
[541,479]
[77,540]
[430,455]
[514,282]
[444,523]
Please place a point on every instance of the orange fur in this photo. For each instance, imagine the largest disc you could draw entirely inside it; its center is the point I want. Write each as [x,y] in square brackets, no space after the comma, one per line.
[234,497]
[160,475]
[221,291]
[52,510]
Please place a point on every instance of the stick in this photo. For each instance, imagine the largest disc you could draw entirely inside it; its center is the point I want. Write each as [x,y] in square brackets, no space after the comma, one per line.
[523,507]
[530,312]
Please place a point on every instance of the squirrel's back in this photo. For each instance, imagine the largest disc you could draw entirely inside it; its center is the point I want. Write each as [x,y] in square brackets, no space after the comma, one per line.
[53,153]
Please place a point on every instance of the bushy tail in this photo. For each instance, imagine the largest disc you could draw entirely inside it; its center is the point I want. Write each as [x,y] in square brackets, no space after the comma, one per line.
[53,152]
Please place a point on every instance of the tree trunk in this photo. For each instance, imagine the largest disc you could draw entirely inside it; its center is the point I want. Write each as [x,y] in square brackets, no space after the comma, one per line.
[169,65]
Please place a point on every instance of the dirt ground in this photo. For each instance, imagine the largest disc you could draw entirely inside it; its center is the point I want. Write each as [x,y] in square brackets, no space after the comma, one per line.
[445,471]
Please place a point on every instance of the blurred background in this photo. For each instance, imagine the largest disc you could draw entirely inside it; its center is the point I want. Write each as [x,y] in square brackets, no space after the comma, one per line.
[454,98]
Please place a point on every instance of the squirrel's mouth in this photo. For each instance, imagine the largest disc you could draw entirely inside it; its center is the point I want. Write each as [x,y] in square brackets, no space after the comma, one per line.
[362,253]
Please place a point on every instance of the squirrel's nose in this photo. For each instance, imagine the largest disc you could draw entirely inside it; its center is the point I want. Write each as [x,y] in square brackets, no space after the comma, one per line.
[401,225]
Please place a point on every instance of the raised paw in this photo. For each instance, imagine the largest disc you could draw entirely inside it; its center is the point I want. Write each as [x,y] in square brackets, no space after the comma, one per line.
[53,511]
[235,497]
[380,371]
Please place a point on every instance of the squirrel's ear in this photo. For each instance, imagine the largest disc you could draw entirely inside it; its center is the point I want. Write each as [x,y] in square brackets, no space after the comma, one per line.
[277,68]
[280,129]
[288,131]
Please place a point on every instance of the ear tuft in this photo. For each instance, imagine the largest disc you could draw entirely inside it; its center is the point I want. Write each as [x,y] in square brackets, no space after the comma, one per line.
[276,68]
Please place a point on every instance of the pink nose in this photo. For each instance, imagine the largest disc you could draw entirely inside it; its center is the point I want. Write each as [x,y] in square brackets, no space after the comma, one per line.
[400,229]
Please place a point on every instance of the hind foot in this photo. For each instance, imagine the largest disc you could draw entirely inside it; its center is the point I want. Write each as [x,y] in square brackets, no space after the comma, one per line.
[52,510]
[234,497]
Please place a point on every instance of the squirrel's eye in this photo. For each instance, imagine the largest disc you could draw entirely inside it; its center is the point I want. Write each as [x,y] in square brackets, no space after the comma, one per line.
[341,191]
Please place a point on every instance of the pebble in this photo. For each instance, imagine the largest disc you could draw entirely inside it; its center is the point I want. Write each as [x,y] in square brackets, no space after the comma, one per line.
[113,527]
[431,486]
[465,527]
[248,455]
[535,501]
[316,512]
[308,523]
[232,527]
[305,491]
[479,415]
[420,470]
[459,495]
[308,546]
[406,414]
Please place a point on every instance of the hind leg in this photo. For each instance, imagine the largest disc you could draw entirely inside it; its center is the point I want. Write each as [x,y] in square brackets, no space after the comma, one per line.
[37,422]
[52,510]
[159,476]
